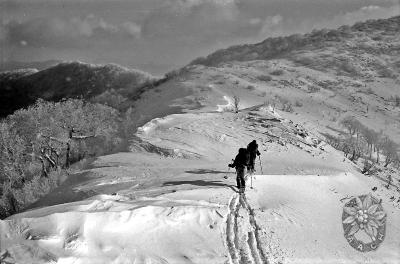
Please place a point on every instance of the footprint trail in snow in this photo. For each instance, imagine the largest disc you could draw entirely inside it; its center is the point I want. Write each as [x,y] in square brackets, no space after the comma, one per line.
[242,233]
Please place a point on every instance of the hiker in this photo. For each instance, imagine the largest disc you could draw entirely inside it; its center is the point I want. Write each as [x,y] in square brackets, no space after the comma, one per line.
[252,148]
[240,163]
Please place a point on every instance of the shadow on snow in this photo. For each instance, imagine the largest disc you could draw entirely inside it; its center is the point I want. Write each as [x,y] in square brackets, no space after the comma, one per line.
[200,183]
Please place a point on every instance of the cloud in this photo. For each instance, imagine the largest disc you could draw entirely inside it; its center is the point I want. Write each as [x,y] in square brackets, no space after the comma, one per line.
[364,13]
[186,22]
[199,19]
[72,32]
[132,29]
[225,22]
[271,24]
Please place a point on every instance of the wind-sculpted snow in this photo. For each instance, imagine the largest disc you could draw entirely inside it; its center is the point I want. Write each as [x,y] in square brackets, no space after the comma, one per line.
[117,230]
[180,209]
[283,219]
[171,203]
[206,135]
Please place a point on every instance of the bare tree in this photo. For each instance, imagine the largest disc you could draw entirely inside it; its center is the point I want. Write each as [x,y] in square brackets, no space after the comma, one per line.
[350,123]
[236,102]
[389,148]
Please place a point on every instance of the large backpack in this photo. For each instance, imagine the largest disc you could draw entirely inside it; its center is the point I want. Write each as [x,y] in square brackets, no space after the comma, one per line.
[244,156]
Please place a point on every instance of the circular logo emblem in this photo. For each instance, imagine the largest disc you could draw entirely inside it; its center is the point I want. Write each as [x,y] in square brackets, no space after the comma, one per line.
[364,222]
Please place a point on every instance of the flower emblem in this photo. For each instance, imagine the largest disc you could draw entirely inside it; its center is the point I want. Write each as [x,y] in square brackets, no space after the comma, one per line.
[364,214]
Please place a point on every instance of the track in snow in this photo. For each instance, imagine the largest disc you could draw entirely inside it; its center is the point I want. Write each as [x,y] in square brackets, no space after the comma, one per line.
[242,233]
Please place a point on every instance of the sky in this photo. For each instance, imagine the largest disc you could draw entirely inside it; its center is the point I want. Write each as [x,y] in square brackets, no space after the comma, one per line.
[161,35]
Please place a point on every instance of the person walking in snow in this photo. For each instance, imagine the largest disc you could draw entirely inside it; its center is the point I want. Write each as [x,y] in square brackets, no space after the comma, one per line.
[252,148]
[240,163]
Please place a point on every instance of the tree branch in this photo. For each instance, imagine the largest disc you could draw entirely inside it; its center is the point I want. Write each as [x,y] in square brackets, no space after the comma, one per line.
[83,137]
[49,159]
[55,139]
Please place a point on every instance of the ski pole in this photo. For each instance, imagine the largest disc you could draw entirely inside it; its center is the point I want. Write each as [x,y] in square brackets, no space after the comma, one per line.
[251,181]
[260,165]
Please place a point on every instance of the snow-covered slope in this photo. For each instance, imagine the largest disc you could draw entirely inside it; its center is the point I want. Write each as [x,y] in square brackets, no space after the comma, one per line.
[114,229]
[173,205]
[317,78]
[172,198]
[301,219]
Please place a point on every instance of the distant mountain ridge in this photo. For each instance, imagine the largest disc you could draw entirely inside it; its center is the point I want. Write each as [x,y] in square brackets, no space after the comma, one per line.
[21,88]
[277,47]
[16,65]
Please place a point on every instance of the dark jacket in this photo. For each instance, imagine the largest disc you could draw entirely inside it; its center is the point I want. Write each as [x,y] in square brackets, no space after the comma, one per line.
[252,148]
[242,159]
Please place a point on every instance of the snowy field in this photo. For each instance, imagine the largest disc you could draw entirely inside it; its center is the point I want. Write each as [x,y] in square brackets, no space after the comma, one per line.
[167,201]
[283,219]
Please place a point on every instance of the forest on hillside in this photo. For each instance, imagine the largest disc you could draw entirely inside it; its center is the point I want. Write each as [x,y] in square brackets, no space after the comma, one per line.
[38,145]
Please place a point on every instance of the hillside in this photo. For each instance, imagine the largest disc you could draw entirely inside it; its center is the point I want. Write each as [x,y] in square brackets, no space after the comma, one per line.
[319,77]
[340,71]
[172,198]
[373,37]
[68,80]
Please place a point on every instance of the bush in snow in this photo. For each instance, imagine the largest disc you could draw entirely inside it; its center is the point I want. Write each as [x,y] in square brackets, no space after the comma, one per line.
[348,67]
[313,89]
[287,107]
[277,72]
[369,167]
[298,103]
[250,87]
[264,78]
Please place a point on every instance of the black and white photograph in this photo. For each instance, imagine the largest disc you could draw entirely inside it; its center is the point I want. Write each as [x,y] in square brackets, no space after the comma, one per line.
[199,131]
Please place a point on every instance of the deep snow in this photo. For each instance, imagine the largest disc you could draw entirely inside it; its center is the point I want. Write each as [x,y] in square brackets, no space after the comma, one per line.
[172,204]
